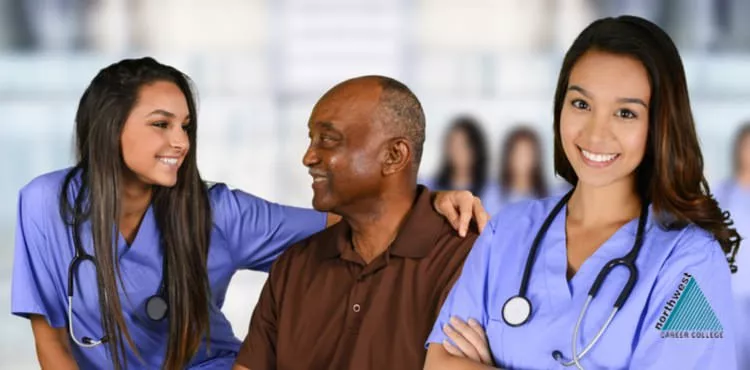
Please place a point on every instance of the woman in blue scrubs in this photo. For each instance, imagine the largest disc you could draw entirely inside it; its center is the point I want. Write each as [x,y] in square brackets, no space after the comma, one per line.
[146,293]
[625,137]
[734,196]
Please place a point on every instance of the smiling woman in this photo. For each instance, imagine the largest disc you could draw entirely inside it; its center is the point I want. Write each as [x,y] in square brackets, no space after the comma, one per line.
[155,138]
[128,244]
[112,263]
[600,264]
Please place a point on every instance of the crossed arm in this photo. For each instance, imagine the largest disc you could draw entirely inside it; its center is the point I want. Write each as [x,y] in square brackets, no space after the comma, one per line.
[470,352]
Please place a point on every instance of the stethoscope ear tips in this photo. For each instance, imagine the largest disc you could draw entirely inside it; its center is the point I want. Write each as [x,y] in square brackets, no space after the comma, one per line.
[733,268]
[557,355]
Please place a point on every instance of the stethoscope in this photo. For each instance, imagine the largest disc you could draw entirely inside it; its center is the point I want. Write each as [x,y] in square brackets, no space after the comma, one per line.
[156,305]
[517,309]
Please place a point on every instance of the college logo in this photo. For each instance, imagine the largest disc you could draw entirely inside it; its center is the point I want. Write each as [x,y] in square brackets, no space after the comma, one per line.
[687,314]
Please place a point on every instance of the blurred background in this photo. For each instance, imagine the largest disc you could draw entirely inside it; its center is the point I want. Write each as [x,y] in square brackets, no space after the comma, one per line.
[485,71]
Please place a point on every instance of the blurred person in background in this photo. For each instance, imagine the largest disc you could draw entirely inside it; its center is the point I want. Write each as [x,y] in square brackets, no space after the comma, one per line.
[521,169]
[465,163]
[734,196]
[631,268]
[125,258]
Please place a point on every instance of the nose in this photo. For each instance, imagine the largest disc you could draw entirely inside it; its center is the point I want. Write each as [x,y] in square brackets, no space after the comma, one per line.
[597,127]
[311,157]
[179,139]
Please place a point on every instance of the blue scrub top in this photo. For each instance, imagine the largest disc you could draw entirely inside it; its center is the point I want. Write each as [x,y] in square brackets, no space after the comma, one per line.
[678,316]
[735,198]
[248,233]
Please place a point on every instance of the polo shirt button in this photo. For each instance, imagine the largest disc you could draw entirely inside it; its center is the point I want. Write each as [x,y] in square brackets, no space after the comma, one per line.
[356,307]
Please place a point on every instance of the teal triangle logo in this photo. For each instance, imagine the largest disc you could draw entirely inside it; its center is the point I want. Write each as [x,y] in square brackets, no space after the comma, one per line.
[688,310]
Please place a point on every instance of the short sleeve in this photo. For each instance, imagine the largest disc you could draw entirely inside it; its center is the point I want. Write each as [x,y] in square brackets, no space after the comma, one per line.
[689,319]
[258,350]
[466,299]
[33,289]
[258,231]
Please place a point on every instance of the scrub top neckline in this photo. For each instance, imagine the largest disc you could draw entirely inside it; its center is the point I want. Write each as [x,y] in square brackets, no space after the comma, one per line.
[146,231]
[554,248]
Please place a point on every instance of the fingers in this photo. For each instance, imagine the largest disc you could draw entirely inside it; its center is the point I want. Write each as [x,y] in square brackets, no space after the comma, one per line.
[474,325]
[483,350]
[465,204]
[452,349]
[474,336]
[444,206]
[459,207]
[480,214]
[459,333]
[462,344]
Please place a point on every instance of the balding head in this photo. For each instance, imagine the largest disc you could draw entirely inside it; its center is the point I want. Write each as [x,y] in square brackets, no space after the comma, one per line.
[397,109]
[366,138]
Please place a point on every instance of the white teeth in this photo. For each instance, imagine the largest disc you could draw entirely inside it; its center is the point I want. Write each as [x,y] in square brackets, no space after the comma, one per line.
[318,179]
[168,161]
[598,157]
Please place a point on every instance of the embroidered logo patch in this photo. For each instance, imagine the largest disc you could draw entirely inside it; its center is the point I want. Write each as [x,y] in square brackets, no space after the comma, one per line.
[688,314]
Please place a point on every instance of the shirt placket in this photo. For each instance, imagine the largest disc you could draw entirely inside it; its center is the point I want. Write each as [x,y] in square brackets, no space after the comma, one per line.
[359,295]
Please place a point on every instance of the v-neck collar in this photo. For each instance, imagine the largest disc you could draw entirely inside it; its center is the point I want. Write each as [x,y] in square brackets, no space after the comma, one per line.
[146,231]
[554,249]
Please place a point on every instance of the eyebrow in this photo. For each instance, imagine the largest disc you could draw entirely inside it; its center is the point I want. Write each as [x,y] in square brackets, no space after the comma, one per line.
[633,100]
[621,100]
[326,125]
[168,114]
[162,112]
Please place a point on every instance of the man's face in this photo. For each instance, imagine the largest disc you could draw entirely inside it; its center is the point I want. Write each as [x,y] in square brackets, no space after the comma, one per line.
[346,152]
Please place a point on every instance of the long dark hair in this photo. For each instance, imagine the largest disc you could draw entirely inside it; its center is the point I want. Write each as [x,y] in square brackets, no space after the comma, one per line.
[538,183]
[182,212]
[742,134]
[471,127]
[671,172]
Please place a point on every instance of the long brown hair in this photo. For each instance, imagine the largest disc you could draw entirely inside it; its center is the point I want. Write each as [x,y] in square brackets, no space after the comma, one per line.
[182,212]
[670,176]
[538,182]
[474,134]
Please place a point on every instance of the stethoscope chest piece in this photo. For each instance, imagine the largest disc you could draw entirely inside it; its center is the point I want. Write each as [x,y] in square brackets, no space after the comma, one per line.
[516,311]
[156,308]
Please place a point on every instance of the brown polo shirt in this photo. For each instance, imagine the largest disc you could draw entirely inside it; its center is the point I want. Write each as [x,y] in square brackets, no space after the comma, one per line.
[323,308]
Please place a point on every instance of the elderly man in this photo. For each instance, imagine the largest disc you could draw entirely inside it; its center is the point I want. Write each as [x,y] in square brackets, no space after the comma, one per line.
[364,293]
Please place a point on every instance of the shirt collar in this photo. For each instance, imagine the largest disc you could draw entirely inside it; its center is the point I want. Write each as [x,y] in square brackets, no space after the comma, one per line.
[415,239]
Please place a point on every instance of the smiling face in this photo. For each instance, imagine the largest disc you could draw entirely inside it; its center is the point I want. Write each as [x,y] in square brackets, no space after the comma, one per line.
[605,118]
[154,139]
[345,155]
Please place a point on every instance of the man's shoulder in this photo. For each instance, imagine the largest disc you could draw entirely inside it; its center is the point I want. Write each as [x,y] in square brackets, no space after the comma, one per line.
[312,249]
[447,243]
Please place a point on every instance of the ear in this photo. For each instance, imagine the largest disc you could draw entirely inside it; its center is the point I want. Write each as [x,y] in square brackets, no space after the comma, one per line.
[398,154]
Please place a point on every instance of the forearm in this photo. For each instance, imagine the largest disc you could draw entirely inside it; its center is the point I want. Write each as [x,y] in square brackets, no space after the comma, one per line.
[456,363]
[52,346]
[439,359]
[53,355]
